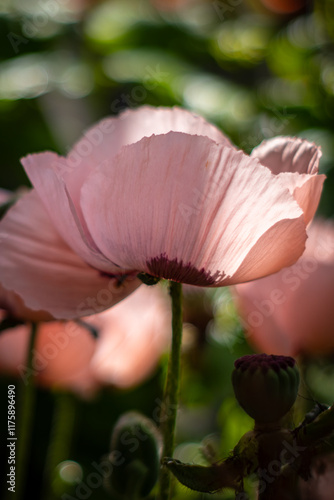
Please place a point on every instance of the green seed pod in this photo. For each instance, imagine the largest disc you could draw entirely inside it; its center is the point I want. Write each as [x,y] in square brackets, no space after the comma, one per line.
[135,455]
[265,386]
[148,279]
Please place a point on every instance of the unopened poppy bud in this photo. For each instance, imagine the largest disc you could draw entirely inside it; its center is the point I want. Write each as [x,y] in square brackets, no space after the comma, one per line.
[136,443]
[265,385]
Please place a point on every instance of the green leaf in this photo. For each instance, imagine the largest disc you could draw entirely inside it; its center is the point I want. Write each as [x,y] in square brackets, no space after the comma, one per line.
[226,474]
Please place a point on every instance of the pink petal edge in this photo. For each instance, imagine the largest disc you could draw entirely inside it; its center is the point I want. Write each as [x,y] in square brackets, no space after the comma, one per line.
[38,265]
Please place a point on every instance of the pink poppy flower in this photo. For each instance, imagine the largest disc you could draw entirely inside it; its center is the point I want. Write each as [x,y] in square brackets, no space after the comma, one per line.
[61,355]
[157,191]
[10,301]
[133,335]
[291,312]
[41,268]
[131,339]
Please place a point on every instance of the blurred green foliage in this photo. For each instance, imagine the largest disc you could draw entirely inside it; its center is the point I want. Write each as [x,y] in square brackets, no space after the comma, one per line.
[255,74]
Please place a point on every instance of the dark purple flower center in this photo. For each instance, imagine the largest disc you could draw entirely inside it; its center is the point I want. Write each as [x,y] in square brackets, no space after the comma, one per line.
[178,271]
[252,362]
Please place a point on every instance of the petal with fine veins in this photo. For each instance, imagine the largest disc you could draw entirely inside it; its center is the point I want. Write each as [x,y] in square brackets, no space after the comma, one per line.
[187,209]
[37,264]
[288,154]
[45,171]
[296,162]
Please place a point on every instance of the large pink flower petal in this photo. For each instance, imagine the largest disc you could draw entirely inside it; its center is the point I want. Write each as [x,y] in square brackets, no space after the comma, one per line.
[296,162]
[187,209]
[15,307]
[38,265]
[132,337]
[45,172]
[105,139]
[306,189]
[58,180]
[267,257]
[288,154]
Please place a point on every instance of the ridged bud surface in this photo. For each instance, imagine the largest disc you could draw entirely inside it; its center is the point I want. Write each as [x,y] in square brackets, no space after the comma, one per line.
[265,386]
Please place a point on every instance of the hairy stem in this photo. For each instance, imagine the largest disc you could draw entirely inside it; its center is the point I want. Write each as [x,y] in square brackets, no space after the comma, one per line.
[169,409]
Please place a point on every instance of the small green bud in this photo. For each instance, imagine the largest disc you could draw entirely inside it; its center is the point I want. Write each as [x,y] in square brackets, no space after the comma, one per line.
[265,386]
[148,279]
[135,455]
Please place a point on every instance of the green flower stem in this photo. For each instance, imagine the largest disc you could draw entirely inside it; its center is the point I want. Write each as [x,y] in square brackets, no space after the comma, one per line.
[25,419]
[60,440]
[169,409]
[276,481]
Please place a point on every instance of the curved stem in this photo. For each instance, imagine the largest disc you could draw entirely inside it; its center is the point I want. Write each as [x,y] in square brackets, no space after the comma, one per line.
[25,421]
[169,409]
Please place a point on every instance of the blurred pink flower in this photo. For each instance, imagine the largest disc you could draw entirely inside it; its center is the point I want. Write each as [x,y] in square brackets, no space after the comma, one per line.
[284,6]
[131,339]
[61,355]
[133,335]
[291,312]
[159,191]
